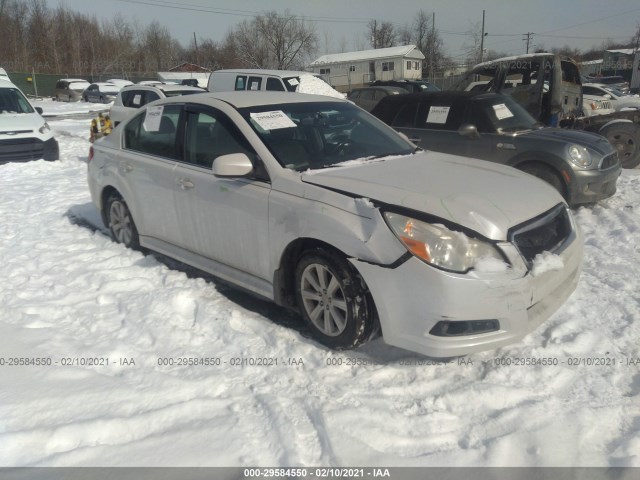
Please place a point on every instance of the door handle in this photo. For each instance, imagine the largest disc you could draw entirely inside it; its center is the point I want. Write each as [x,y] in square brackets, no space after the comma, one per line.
[185,183]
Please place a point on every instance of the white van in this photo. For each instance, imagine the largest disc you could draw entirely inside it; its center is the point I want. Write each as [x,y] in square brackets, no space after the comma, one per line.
[255,80]
[24,134]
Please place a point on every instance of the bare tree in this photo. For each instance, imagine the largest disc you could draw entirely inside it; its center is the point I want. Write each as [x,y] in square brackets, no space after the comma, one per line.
[381,34]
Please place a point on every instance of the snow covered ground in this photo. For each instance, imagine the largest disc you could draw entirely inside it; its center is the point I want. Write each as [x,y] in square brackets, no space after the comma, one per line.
[69,294]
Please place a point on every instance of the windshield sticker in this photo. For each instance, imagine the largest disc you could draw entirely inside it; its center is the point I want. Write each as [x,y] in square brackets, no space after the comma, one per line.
[152,119]
[438,115]
[254,86]
[137,99]
[502,111]
[293,82]
[273,120]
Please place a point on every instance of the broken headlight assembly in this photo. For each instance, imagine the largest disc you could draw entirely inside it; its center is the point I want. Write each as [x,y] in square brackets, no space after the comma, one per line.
[440,246]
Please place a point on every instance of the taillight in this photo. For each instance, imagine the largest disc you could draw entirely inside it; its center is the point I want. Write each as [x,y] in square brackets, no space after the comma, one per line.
[90,153]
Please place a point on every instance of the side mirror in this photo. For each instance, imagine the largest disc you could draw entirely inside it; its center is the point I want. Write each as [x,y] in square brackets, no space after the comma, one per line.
[232,165]
[39,110]
[468,130]
[607,96]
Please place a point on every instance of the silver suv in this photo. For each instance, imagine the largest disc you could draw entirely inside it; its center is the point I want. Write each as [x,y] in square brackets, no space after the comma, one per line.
[313,203]
[132,97]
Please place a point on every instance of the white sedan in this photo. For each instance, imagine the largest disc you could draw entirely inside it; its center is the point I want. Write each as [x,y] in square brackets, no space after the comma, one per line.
[313,203]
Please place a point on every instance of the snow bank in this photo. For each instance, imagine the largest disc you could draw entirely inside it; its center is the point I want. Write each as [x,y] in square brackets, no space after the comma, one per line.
[316,86]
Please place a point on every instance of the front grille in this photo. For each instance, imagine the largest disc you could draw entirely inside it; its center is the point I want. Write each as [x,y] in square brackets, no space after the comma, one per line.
[21,149]
[545,233]
[606,104]
[609,161]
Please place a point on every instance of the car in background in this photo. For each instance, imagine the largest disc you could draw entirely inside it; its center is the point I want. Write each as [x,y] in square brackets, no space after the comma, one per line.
[619,100]
[614,81]
[119,82]
[70,89]
[593,105]
[583,167]
[24,134]
[132,97]
[101,92]
[368,97]
[413,86]
[311,202]
[252,79]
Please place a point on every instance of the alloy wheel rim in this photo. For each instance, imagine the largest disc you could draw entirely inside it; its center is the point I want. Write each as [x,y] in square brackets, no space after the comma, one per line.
[324,300]
[120,222]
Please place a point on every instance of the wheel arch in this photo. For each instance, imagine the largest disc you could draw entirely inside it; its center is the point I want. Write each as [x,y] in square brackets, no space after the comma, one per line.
[283,277]
[564,174]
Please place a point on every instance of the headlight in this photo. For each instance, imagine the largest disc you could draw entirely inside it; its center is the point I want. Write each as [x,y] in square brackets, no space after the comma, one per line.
[439,246]
[580,156]
[44,128]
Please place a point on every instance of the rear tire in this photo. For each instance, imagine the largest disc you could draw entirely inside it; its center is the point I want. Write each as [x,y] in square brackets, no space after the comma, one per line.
[625,137]
[333,300]
[121,225]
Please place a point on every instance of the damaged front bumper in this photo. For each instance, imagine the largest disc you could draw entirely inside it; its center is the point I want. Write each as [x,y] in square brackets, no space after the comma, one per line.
[418,304]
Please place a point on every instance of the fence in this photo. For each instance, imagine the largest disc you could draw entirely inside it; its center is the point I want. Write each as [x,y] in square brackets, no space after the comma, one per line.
[43,84]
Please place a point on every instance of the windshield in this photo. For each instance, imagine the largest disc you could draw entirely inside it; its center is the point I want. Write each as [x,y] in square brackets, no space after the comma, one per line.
[500,115]
[316,135]
[13,101]
[615,91]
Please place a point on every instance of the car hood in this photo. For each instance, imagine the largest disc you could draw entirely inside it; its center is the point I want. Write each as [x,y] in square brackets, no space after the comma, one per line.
[482,196]
[587,139]
[13,122]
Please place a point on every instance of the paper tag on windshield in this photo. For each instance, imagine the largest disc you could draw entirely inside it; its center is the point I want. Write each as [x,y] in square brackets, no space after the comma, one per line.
[438,115]
[152,119]
[273,120]
[502,111]
[293,82]
[137,99]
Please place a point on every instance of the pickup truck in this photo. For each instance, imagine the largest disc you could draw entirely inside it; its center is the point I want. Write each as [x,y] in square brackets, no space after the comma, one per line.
[548,86]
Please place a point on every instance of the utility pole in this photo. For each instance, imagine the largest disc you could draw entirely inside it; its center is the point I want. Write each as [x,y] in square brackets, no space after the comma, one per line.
[482,39]
[433,47]
[528,36]
[196,45]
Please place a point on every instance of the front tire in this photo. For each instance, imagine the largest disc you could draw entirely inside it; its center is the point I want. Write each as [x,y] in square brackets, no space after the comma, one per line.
[545,173]
[121,225]
[333,300]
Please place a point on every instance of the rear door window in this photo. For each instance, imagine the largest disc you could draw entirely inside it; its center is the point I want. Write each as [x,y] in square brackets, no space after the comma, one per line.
[440,115]
[254,84]
[275,84]
[406,115]
[157,138]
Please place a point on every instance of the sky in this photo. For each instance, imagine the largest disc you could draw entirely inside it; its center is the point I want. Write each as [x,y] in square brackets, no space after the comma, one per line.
[578,24]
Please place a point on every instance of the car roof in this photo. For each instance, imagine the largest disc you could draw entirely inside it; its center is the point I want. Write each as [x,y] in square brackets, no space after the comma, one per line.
[244,99]
[389,88]
[165,87]
[105,84]
[448,95]
[74,80]
[6,83]
[257,71]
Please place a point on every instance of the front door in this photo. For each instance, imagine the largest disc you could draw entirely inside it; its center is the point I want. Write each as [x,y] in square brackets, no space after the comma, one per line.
[223,219]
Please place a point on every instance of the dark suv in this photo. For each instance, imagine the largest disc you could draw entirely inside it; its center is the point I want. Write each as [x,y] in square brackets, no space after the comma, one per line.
[582,166]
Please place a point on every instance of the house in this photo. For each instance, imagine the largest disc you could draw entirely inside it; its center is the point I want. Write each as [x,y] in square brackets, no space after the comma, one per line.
[186,72]
[345,71]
